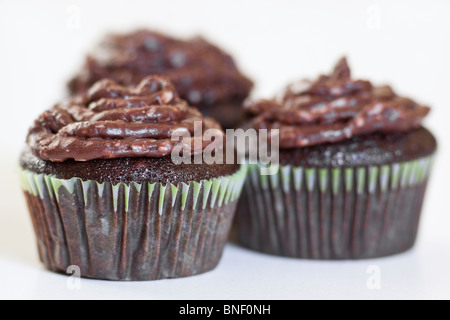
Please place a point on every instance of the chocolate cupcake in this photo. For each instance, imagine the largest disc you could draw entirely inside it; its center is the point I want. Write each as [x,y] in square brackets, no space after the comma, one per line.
[105,195]
[203,74]
[354,165]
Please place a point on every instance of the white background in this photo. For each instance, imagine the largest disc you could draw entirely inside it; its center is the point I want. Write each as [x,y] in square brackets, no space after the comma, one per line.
[404,43]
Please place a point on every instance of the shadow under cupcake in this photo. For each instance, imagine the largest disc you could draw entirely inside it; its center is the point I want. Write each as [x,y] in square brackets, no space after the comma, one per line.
[354,166]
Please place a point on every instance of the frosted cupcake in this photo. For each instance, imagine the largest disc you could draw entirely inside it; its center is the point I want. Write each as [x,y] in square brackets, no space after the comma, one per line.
[354,166]
[105,195]
[203,74]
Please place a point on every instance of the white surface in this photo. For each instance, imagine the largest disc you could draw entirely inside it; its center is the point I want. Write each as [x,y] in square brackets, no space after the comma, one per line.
[404,43]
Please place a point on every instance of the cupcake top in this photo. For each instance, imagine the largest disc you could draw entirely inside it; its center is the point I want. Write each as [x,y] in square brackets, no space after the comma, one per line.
[113,121]
[202,73]
[334,108]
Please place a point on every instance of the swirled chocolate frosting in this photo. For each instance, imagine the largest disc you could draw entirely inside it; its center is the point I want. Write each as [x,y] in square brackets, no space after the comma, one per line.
[334,108]
[202,73]
[113,121]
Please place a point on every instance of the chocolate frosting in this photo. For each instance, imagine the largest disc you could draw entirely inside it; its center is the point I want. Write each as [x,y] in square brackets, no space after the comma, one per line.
[202,73]
[334,108]
[113,121]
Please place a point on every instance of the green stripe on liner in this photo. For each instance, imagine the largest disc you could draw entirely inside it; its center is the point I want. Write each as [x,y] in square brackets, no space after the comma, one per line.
[197,187]
[85,187]
[222,189]
[174,189]
[126,191]
[310,178]
[240,178]
[162,195]
[48,185]
[323,179]
[137,186]
[395,174]
[184,193]
[115,192]
[151,189]
[421,163]
[57,184]
[39,182]
[349,179]
[420,170]
[100,188]
[23,181]
[336,176]
[207,185]
[384,177]
[298,177]
[361,179]
[215,190]
[32,184]
[414,170]
[70,184]
[373,177]
[405,171]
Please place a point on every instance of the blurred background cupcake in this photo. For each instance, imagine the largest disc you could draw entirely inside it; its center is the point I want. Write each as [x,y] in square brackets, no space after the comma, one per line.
[354,165]
[204,75]
[105,195]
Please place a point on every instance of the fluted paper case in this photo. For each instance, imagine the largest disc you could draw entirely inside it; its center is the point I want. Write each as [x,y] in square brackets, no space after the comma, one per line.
[137,231]
[346,213]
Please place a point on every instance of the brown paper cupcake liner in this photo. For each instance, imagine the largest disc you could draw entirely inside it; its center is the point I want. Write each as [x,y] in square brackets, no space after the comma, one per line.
[137,231]
[347,213]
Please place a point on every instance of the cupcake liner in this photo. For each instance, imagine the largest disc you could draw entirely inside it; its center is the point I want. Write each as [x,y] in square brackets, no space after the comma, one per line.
[345,213]
[136,231]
